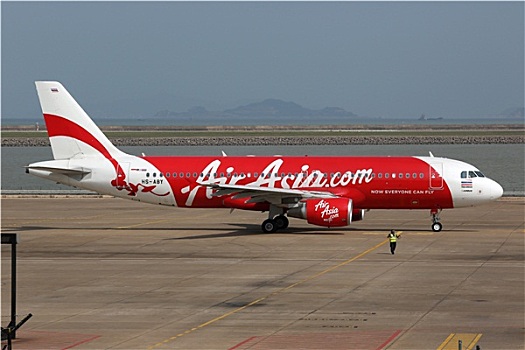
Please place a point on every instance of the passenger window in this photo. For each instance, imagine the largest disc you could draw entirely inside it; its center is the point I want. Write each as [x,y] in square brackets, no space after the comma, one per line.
[154,174]
[174,174]
[421,175]
[147,174]
[380,175]
[414,176]
[407,175]
[387,175]
[188,175]
[167,174]
[400,175]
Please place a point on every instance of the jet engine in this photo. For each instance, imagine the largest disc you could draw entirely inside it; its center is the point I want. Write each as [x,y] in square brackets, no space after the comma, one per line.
[358,214]
[330,212]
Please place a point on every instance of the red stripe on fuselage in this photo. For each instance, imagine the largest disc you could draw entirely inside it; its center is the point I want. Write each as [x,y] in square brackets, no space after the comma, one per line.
[377,193]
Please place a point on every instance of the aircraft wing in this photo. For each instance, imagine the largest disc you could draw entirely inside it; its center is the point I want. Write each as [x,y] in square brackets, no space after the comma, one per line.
[266,194]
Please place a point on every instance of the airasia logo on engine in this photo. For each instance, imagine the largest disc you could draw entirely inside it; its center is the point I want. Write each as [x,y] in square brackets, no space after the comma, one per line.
[329,212]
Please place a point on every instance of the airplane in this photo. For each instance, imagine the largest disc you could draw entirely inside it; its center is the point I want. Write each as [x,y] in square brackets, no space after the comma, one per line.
[327,191]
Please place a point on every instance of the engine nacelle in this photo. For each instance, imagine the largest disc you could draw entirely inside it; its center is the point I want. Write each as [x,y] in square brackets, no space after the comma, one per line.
[358,214]
[331,212]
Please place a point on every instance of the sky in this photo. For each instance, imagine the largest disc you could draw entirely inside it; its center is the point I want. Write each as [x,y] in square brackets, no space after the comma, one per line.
[376,59]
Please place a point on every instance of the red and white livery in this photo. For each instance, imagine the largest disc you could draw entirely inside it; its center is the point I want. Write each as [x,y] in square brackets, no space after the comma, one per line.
[326,191]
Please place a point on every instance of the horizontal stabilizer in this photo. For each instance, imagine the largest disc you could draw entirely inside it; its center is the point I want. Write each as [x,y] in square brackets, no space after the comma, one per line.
[65,171]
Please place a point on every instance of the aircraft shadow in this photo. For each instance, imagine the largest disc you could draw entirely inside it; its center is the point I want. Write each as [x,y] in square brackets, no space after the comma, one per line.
[255,230]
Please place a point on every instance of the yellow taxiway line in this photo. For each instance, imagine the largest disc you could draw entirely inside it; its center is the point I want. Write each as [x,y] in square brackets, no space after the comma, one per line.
[469,340]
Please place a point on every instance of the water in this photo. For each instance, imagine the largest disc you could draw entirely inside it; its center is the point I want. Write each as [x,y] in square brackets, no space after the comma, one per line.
[503,163]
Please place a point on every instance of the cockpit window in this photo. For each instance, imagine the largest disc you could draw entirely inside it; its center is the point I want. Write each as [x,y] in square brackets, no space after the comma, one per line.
[471,174]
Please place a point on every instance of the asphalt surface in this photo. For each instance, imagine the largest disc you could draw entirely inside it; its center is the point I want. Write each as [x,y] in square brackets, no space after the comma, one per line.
[104,273]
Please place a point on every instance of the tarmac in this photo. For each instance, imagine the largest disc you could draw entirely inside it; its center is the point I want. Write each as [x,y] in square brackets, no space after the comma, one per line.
[105,273]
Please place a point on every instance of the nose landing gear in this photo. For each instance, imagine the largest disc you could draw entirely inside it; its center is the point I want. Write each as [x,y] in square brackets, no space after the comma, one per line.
[436,225]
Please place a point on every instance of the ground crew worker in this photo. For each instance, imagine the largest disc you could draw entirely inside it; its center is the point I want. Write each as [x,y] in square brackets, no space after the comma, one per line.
[393,236]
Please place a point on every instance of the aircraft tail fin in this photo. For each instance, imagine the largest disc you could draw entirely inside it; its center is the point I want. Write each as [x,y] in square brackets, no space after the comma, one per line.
[71,131]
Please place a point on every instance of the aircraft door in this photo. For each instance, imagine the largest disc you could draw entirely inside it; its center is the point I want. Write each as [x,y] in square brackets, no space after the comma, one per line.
[122,175]
[436,176]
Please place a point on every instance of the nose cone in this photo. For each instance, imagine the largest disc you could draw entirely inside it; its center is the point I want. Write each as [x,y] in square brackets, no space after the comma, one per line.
[496,191]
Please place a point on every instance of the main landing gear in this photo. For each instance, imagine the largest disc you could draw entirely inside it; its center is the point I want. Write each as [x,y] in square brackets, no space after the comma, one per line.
[276,220]
[280,222]
[436,225]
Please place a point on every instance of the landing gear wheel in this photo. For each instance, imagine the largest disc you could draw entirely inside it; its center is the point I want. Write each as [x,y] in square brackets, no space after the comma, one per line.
[436,225]
[269,226]
[281,221]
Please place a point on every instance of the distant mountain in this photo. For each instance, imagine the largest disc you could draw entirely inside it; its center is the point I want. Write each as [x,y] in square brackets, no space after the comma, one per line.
[268,108]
